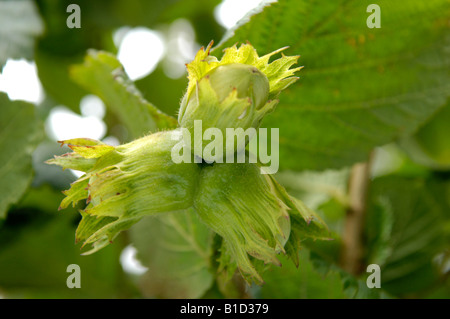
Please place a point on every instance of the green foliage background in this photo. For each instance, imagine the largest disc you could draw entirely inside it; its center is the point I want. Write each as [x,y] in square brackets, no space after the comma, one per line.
[380,93]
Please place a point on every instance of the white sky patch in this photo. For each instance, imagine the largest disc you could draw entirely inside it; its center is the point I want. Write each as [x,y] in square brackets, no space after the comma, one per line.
[64,124]
[140,50]
[20,81]
[129,262]
[443,262]
[119,34]
[387,159]
[181,48]
[229,12]
[92,105]
[111,140]
[76,173]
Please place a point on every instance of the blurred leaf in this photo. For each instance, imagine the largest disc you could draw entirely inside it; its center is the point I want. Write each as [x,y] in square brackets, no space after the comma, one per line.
[163,91]
[20,131]
[97,22]
[390,158]
[153,13]
[100,19]
[315,188]
[60,46]
[406,230]
[430,146]
[289,282]
[206,27]
[355,288]
[103,75]
[434,136]
[360,87]
[379,232]
[19,25]
[176,249]
[53,71]
[325,258]
[37,245]
[407,226]
[44,198]
[198,12]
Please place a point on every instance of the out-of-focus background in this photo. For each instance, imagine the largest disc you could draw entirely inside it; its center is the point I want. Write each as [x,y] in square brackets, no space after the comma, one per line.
[379,96]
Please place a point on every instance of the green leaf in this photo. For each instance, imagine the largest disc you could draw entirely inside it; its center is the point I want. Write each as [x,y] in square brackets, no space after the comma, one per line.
[176,248]
[360,87]
[354,288]
[290,282]
[406,229]
[103,75]
[53,71]
[60,46]
[20,131]
[142,12]
[37,246]
[19,25]
[430,146]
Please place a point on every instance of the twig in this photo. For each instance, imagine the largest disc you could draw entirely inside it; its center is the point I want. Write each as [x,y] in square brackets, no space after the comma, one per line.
[352,254]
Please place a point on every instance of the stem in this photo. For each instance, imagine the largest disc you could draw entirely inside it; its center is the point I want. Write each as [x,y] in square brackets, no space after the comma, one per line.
[352,254]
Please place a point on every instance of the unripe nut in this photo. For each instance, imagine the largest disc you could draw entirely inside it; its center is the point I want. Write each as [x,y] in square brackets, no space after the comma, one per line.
[246,79]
